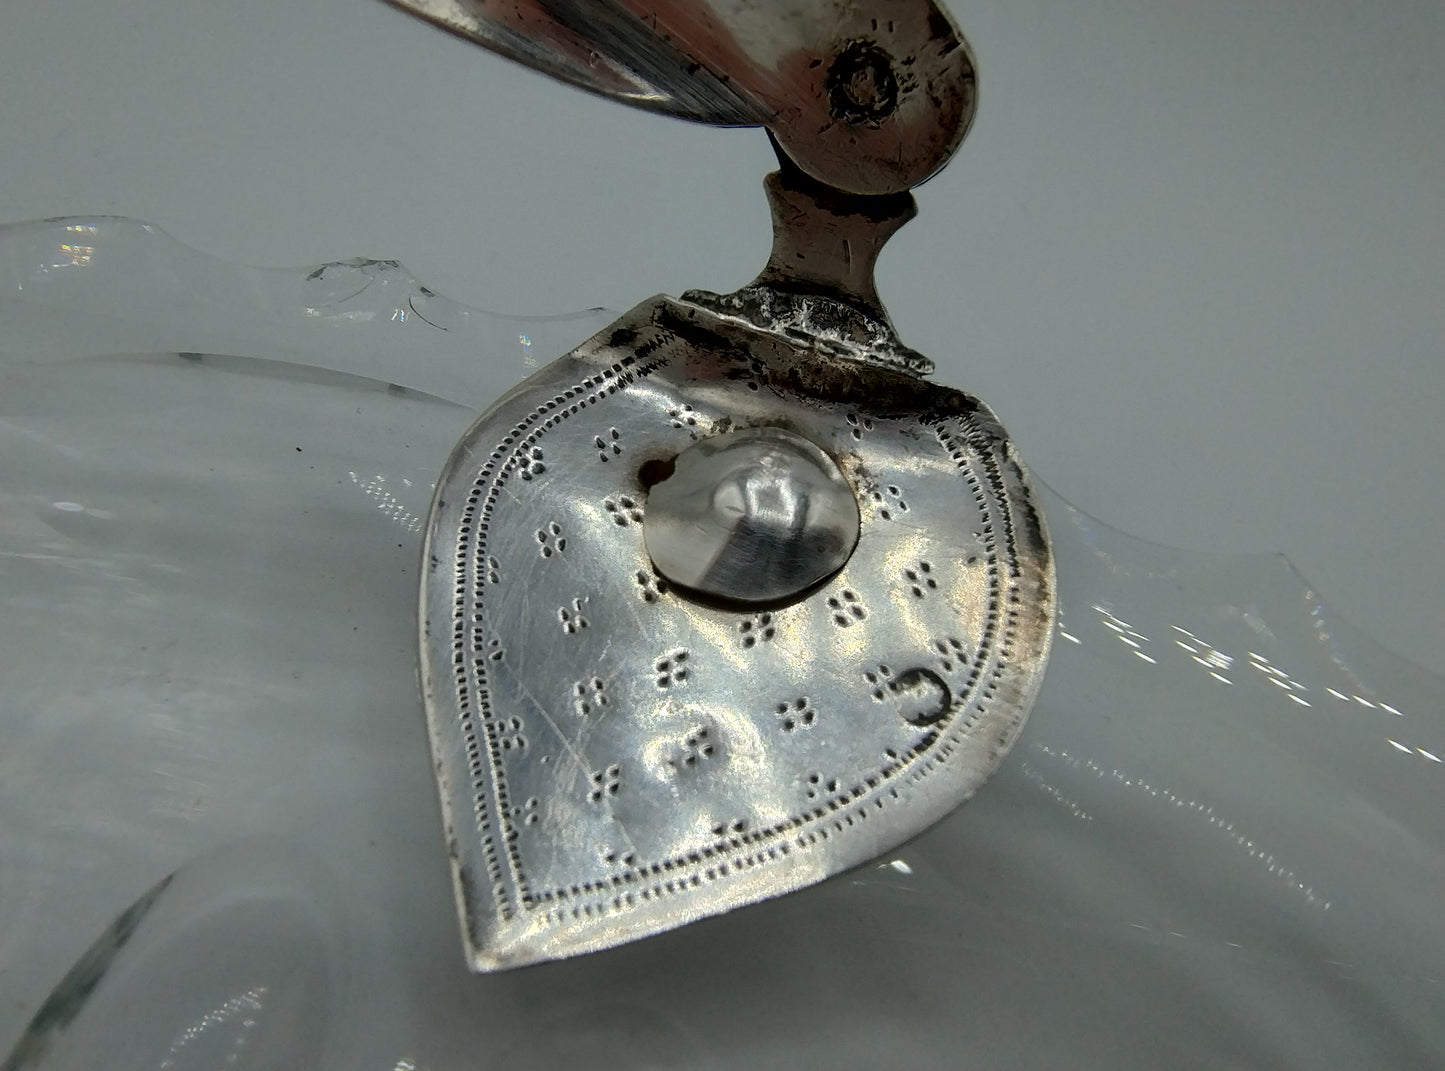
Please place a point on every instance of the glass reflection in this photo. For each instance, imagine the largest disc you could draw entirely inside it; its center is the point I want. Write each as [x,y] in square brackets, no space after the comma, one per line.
[208,638]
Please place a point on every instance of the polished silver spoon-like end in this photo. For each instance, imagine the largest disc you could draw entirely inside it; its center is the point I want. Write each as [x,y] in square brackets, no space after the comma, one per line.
[728,599]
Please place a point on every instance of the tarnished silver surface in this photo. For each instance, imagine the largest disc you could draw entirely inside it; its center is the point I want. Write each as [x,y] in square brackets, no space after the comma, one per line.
[870,98]
[728,600]
[616,758]
[754,516]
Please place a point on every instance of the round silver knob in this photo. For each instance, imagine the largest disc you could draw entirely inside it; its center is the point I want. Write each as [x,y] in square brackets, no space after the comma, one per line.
[754,516]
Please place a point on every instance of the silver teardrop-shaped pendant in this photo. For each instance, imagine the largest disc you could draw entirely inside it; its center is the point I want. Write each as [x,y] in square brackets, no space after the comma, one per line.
[725,601]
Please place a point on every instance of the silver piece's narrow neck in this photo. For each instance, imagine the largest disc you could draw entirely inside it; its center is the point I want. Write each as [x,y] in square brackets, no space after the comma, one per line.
[818,288]
[862,102]
[826,242]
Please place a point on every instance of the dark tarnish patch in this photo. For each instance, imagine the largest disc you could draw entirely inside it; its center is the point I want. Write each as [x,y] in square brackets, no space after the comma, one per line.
[467,894]
[1037,542]
[940,29]
[881,208]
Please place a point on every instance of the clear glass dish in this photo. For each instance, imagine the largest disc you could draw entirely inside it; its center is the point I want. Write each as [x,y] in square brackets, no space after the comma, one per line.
[1217,843]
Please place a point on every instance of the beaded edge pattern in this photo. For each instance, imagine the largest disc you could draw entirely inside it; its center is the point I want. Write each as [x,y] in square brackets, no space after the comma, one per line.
[970,443]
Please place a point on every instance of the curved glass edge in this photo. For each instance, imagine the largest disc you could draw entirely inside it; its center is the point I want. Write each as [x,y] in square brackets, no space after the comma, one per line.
[123,284]
[1216,841]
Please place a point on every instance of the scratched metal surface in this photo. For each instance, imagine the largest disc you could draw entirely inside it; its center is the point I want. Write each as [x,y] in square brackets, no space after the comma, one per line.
[616,758]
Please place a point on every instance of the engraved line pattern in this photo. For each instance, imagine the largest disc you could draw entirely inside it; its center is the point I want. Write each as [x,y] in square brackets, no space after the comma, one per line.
[743,849]
[684,418]
[920,579]
[653,586]
[799,714]
[589,697]
[847,609]
[889,501]
[758,628]
[608,445]
[624,510]
[815,831]
[696,747]
[516,453]
[606,783]
[671,669]
[858,426]
[550,540]
[571,617]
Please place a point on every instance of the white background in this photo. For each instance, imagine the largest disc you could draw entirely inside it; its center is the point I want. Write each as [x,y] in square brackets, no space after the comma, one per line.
[1193,253]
